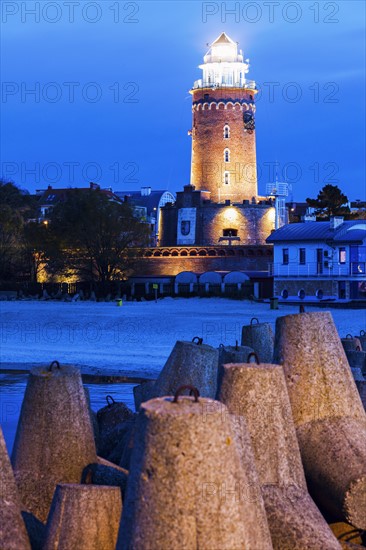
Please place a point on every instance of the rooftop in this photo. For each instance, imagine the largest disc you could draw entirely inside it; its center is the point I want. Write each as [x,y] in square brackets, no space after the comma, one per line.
[348,231]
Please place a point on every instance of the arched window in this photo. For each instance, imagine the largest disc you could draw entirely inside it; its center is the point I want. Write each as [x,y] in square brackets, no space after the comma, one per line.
[227,178]
[227,155]
[226,131]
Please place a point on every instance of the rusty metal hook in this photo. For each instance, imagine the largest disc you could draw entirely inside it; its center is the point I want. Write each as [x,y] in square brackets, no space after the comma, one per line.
[110,398]
[253,354]
[192,390]
[362,333]
[52,364]
[349,336]
[197,340]
[254,319]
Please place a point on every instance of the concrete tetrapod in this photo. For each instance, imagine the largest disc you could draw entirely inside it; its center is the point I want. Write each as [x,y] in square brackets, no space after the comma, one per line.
[54,439]
[231,354]
[351,343]
[13,535]
[83,517]
[257,396]
[260,337]
[187,488]
[362,339]
[189,363]
[328,413]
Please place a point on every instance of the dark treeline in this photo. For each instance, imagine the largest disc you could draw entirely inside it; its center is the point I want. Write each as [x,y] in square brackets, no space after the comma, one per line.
[86,237]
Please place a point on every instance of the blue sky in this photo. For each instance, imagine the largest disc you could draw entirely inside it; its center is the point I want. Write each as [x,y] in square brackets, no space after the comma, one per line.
[111,81]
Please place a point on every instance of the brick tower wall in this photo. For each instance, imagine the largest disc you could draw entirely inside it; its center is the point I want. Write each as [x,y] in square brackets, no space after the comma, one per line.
[212,110]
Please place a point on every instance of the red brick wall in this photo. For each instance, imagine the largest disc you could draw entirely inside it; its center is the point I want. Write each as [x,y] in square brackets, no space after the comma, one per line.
[208,145]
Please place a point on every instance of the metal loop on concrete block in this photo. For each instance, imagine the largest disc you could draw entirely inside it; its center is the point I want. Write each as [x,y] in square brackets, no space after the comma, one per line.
[192,389]
[362,333]
[197,340]
[349,336]
[110,400]
[52,364]
[255,356]
[254,319]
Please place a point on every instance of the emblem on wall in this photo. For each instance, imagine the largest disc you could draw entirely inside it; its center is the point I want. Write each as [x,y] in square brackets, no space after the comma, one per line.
[185,227]
[186,230]
[249,123]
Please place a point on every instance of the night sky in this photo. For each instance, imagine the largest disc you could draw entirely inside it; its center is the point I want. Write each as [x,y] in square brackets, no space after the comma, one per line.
[110,83]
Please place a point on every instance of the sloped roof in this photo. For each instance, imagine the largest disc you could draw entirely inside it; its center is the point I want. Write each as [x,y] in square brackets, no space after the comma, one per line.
[356,231]
[150,201]
[319,231]
[223,39]
[51,196]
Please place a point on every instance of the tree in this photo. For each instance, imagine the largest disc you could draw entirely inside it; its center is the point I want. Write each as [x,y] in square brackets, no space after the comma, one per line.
[41,250]
[329,202]
[15,207]
[99,238]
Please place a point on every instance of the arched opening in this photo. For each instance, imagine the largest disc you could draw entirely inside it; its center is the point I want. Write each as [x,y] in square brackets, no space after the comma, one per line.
[230,232]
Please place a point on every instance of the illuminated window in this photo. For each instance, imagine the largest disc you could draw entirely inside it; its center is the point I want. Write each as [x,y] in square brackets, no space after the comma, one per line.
[227,178]
[227,155]
[226,131]
[342,255]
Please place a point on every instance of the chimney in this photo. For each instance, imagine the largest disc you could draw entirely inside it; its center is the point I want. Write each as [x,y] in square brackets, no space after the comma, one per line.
[336,221]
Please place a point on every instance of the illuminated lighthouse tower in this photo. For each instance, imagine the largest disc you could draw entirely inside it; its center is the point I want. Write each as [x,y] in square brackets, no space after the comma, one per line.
[223,131]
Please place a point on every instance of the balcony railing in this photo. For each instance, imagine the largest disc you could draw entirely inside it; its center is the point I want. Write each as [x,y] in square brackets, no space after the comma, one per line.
[249,84]
[314,269]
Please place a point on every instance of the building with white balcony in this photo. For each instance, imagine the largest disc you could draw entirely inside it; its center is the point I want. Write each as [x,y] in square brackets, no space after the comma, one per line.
[320,260]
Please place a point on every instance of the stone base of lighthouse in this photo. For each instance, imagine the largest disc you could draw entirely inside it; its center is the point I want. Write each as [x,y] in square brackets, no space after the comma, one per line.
[198,235]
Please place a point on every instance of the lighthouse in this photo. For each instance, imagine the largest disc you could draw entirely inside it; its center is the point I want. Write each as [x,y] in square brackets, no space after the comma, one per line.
[223,125]
[219,213]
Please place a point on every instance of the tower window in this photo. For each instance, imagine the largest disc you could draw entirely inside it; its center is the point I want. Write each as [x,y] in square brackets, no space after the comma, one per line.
[227,178]
[227,155]
[226,131]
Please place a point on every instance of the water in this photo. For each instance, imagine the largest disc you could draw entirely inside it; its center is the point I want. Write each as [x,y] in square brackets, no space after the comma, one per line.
[12,388]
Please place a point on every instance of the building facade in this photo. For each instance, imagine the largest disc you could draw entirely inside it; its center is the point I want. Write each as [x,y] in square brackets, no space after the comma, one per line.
[320,260]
